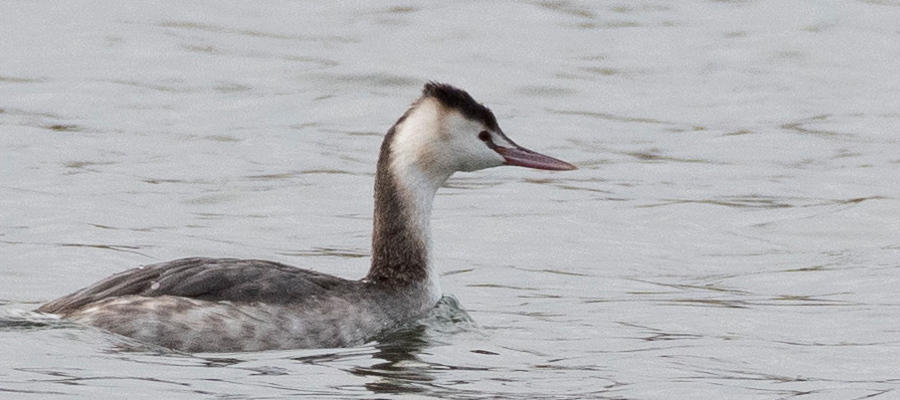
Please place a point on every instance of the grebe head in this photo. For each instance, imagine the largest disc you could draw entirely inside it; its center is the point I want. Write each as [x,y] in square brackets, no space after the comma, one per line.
[442,132]
[446,130]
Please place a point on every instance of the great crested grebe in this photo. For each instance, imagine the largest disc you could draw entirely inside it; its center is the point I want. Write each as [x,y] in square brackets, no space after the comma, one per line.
[225,304]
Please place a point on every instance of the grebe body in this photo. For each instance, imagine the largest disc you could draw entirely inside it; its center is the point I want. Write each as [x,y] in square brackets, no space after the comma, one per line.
[217,305]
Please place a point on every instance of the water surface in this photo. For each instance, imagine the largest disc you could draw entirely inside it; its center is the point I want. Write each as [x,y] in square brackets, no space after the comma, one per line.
[732,231]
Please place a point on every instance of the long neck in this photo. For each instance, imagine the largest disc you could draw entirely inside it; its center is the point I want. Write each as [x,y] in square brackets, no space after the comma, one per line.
[401,239]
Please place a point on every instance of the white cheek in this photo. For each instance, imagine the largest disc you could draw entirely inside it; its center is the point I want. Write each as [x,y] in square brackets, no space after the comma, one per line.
[478,156]
[470,152]
[438,143]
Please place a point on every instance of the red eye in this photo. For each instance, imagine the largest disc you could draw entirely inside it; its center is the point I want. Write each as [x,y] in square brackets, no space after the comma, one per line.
[485,137]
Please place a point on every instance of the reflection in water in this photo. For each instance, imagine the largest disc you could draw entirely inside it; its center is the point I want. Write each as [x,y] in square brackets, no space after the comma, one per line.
[17,319]
[402,371]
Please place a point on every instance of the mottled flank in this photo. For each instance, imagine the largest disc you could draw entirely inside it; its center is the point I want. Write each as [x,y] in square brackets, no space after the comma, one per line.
[216,305]
[203,326]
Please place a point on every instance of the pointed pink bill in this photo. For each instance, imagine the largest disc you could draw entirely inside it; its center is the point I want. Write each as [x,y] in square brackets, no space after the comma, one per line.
[522,157]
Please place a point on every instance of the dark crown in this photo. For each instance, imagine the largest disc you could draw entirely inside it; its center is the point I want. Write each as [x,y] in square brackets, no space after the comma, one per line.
[461,101]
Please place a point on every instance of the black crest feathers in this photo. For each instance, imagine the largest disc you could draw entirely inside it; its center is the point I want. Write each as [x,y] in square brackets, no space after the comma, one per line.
[460,100]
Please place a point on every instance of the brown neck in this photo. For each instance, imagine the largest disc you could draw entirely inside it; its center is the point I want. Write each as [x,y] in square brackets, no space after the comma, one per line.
[399,247]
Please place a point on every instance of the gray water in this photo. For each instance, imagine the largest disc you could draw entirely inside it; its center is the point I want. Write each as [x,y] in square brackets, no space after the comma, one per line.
[732,232]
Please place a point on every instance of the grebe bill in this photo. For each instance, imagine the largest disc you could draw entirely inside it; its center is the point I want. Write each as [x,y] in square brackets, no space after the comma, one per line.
[224,304]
